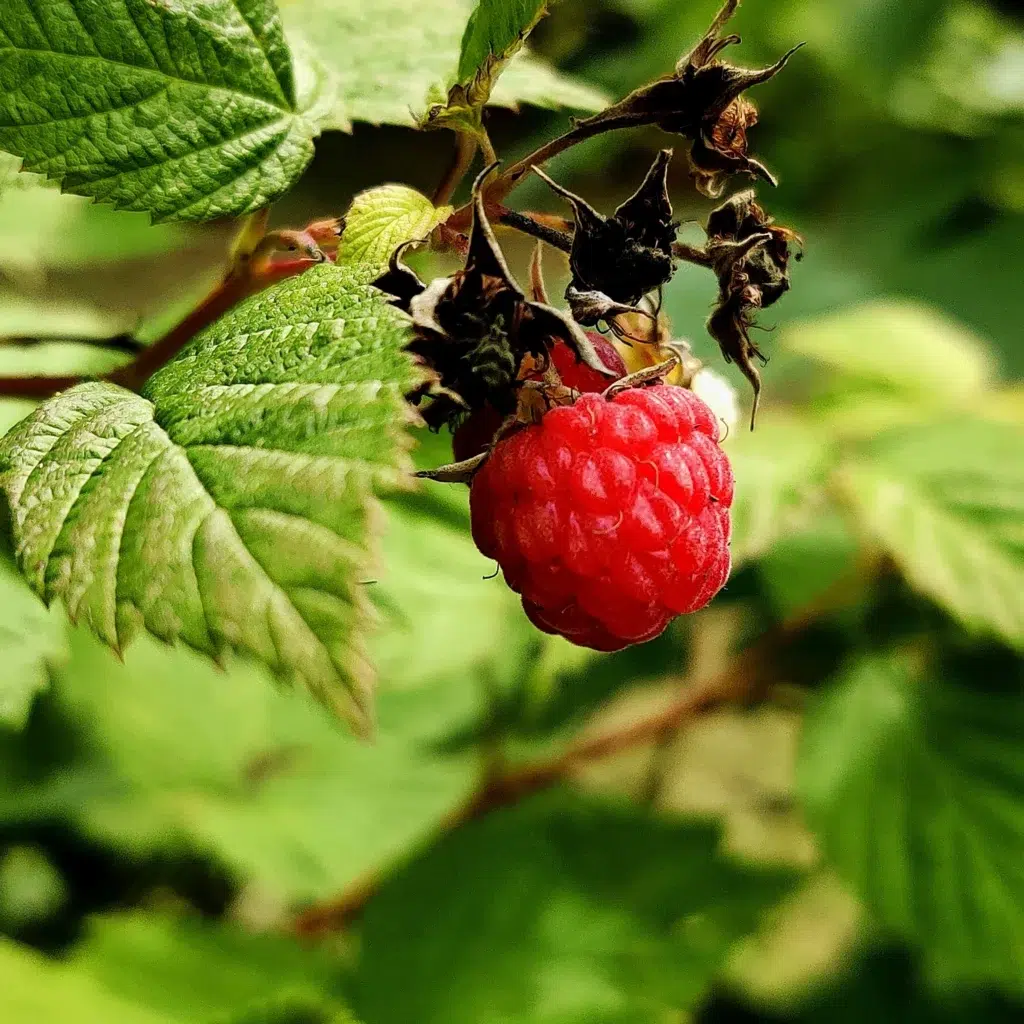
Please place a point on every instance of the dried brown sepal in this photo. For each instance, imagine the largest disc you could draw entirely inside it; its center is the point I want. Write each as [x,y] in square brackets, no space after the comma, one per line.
[475,328]
[590,308]
[640,378]
[702,100]
[750,255]
[455,472]
[629,254]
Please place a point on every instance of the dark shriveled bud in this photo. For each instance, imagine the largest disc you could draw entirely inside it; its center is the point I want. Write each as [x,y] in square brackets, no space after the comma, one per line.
[475,329]
[617,260]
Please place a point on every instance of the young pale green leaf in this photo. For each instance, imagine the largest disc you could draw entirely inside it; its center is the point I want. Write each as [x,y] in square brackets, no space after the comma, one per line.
[947,503]
[560,909]
[897,345]
[381,219]
[780,473]
[187,112]
[405,49]
[229,507]
[916,790]
[32,640]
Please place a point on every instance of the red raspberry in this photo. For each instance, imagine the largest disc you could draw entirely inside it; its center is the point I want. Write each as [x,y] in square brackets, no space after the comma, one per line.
[476,433]
[579,376]
[611,516]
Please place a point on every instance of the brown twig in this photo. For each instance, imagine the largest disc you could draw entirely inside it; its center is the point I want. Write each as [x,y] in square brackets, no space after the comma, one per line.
[747,678]
[532,226]
[741,681]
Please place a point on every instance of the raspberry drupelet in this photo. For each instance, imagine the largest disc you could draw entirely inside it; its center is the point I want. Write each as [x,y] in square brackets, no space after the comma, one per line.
[610,516]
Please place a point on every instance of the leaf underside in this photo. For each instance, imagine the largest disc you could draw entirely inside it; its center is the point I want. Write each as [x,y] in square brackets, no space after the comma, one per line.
[229,506]
[184,110]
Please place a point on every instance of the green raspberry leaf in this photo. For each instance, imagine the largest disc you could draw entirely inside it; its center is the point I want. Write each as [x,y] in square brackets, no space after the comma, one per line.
[496,29]
[381,219]
[563,908]
[780,472]
[916,790]
[900,346]
[37,988]
[32,640]
[230,506]
[184,110]
[407,49]
[945,502]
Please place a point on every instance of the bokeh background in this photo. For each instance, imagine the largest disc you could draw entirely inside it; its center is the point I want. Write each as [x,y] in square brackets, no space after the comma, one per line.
[846,848]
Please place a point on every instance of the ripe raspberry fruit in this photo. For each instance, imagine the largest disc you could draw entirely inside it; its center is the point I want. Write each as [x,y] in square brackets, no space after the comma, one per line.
[473,436]
[611,516]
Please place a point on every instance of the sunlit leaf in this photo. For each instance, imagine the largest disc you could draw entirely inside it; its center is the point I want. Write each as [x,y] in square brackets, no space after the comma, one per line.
[947,504]
[902,346]
[186,113]
[385,60]
[780,471]
[382,218]
[231,507]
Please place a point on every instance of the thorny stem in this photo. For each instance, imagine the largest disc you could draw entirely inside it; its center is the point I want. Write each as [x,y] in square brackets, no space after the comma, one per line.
[487,147]
[465,150]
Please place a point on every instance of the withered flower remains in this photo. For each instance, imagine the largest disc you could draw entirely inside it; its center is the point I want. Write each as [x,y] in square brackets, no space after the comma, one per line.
[703,101]
[475,328]
[617,260]
[750,256]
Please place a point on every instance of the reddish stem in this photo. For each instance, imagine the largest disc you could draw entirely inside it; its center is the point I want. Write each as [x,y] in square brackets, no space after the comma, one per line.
[232,290]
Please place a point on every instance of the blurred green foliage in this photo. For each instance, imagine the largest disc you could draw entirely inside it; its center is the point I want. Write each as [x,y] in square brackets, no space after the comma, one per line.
[162,821]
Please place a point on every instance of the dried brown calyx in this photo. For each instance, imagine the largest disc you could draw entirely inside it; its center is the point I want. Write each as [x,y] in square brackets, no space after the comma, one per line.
[617,260]
[474,330]
[703,101]
[749,254]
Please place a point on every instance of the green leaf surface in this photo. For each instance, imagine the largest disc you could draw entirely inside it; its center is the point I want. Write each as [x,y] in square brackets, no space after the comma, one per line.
[32,640]
[915,788]
[184,111]
[35,989]
[562,909]
[495,30]
[947,503]
[900,346]
[229,507]
[381,219]
[780,471]
[200,971]
[406,49]
[449,632]
[181,757]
